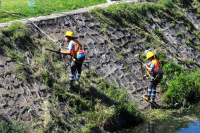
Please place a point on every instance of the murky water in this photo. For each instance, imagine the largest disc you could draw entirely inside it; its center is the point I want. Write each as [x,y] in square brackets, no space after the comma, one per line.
[169,126]
[174,127]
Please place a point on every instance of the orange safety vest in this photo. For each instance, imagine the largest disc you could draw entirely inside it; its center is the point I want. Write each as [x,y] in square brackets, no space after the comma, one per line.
[156,64]
[77,49]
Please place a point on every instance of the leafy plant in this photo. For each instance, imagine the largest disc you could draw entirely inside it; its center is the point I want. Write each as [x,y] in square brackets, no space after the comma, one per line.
[184,86]
[188,27]
[191,62]
[170,69]
[185,3]
[158,32]
[178,33]
[189,43]
[173,23]
[18,127]
[123,43]
[104,28]
[196,43]
[93,72]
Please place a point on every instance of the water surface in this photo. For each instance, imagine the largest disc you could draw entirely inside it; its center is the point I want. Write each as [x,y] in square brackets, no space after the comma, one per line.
[171,126]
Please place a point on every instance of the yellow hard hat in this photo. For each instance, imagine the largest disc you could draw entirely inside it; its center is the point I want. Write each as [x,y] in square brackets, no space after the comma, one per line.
[149,55]
[69,33]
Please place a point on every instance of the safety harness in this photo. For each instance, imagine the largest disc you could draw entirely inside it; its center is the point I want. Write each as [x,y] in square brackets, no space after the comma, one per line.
[77,50]
[157,69]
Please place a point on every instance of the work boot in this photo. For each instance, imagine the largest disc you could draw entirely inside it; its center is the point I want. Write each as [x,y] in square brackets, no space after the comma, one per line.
[153,100]
[146,98]
[149,98]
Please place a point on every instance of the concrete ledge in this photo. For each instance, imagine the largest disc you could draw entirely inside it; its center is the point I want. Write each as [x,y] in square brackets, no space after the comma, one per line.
[61,14]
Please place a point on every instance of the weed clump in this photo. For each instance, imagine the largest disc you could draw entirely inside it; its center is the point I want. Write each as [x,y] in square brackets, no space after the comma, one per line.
[197,34]
[183,87]
[18,127]
[19,35]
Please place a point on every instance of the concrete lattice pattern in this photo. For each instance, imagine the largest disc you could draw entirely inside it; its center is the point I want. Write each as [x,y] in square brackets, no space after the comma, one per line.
[102,53]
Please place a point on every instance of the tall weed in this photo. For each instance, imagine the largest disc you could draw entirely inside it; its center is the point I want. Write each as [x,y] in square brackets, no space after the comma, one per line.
[18,127]
[185,86]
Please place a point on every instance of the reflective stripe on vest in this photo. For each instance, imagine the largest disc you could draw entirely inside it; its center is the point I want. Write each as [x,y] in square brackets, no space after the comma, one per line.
[77,49]
[156,66]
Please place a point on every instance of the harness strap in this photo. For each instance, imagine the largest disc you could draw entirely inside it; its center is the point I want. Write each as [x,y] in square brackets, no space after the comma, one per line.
[76,47]
[76,60]
[151,75]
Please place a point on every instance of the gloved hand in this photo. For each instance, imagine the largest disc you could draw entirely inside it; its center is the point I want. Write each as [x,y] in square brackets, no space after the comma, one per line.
[145,65]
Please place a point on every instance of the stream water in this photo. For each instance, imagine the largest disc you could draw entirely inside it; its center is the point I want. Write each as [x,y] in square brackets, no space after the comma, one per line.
[171,126]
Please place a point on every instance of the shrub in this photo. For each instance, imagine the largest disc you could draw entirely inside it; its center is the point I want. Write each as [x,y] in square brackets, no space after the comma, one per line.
[6,127]
[192,62]
[198,37]
[185,3]
[170,69]
[184,86]
[48,79]
[158,32]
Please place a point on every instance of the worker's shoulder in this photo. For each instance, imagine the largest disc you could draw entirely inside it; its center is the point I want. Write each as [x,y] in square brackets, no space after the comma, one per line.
[155,61]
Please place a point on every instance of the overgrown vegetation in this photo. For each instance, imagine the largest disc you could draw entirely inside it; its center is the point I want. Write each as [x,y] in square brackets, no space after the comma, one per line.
[179,85]
[18,127]
[137,15]
[183,88]
[14,42]
[92,101]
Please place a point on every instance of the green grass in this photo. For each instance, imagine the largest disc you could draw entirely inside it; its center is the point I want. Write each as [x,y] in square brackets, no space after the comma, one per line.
[19,127]
[94,101]
[42,7]
[184,87]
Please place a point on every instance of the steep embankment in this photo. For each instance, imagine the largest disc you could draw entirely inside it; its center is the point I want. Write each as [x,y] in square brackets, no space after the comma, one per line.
[36,90]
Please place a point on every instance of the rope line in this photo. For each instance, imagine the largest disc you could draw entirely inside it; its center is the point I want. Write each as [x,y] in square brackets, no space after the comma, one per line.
[33,24]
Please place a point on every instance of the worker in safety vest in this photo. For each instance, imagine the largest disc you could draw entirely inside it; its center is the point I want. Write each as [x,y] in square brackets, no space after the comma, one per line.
[153,66]
[78,56]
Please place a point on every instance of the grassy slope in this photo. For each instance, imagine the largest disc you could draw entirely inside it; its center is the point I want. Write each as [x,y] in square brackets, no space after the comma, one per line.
[137,17]
[92,101]
[42,7]
[81,100]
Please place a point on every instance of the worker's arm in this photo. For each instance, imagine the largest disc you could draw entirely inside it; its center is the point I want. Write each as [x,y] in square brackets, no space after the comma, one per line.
[66,52]
[148,67]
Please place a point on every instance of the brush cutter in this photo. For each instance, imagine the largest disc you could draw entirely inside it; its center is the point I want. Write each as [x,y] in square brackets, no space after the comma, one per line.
[58,51]
[44,49]
[139,60]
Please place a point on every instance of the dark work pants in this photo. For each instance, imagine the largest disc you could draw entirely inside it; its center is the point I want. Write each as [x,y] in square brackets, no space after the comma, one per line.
[152,86]
[75,66]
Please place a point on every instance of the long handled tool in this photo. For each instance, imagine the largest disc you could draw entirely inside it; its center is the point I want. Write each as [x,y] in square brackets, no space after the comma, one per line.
[141,63]
[141,67]
[44,49]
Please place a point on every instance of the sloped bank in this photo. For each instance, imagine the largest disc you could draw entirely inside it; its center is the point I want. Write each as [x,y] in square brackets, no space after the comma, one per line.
[44,100]
[111,43]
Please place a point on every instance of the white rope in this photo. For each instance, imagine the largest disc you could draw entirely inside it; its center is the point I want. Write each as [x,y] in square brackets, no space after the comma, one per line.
[34,25]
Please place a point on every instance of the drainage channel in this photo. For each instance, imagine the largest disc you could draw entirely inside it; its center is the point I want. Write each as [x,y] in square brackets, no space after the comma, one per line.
[189,125]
